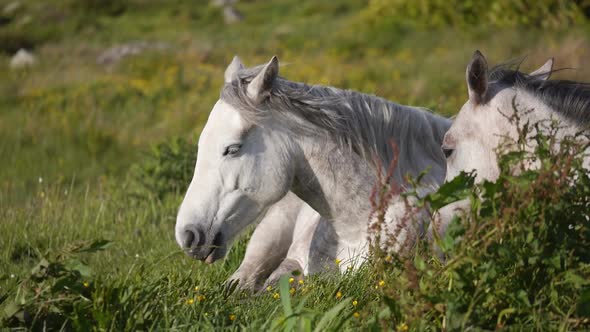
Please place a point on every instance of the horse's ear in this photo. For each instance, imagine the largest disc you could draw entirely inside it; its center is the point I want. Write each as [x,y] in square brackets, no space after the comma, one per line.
[545,71]
[477,78]
[261,85]
[232,69]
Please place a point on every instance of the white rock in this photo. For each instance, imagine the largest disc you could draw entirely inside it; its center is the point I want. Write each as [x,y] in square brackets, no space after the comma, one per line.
[232,15]
[22,58]
[12,7]
[116,53]
[223,3]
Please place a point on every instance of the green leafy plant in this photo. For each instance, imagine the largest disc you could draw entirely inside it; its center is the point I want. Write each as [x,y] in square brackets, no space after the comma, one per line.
[519,259]
[57,291]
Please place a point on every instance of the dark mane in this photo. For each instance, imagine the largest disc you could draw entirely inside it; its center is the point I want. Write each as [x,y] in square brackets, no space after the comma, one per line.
[570,99]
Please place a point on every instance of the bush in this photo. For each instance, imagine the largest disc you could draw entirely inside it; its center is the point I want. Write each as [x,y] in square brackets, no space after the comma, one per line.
[520,260]
[108,7]
[459,13]
[166,170]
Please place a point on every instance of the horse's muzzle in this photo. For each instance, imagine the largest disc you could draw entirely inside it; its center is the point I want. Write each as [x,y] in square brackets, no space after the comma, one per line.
[195,245]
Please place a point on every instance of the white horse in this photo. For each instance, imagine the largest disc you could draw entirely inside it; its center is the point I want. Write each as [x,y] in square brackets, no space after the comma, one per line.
[485,120]
[267,136]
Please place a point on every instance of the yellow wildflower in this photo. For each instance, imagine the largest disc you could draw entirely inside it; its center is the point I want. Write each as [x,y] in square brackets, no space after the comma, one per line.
[196,288]
[355,303]
[201,298]
[349,268]
[86,284]
[268,289]
[381,283]
[276,296]
[338,295]
[232,317]
[300,281]
[401,327]
[356,314]
[337,261]
[190,301]
[291,280]
[292,291]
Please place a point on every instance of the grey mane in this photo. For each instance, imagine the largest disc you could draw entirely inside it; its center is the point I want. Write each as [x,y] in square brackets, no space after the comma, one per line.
[358,121]
[570,99]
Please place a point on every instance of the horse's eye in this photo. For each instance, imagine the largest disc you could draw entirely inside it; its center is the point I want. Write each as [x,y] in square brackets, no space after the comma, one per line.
[447,151]
[232,149]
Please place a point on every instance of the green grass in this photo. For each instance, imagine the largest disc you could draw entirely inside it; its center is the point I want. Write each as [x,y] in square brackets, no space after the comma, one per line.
[71,129]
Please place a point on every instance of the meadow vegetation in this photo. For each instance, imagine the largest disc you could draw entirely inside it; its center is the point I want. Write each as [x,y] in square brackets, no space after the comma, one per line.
[95,158]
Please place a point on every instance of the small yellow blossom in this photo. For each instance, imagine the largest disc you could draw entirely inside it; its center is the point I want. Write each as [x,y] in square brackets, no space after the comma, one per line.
[268,289]
[304,289]
[232,317]
[355,303]
[300,281]
[86,284]
[276,296]
[338,295]
[349,268]
[381,283]
[388,259]
[196,288]
[292,291]
[401,327]
[337,261]
[291,280]
[190,301]
[356,314]
[201,298]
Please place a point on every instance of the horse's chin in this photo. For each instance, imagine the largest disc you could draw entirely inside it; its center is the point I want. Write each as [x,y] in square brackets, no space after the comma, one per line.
[215,255]
[210,259]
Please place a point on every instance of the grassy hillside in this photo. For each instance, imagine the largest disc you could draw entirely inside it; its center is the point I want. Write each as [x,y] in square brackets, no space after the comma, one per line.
[77,163]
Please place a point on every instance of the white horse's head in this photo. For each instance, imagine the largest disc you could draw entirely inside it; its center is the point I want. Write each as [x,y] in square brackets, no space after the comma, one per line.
[471,142]
[241,170]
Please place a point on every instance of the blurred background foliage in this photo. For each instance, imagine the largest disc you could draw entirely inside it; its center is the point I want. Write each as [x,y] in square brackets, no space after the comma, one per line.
[112,107]
[546,14]
[114,77]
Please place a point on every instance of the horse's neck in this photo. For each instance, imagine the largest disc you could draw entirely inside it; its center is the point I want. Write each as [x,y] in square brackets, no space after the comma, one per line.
[337,184]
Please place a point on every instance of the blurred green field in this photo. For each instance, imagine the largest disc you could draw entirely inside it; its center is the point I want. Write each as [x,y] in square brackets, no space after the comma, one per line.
[74,132]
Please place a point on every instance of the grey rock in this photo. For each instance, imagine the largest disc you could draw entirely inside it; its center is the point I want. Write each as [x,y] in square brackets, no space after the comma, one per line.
[117,53]
[11,8]
[22,59]
[223,3]
[232,15]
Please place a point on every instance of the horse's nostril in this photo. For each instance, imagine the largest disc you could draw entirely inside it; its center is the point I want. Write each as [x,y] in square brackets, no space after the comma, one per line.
[192,237]
[188,238]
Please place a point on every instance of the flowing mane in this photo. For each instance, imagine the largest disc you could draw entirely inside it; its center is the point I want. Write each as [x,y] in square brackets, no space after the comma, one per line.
[570,99]
[354,120]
